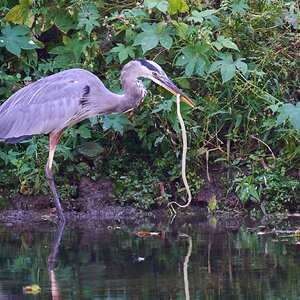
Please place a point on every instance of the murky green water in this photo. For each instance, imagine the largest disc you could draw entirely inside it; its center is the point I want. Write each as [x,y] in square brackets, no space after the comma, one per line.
[193,259]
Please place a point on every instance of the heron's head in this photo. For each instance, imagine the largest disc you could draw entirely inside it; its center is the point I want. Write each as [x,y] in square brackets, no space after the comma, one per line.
[151,70]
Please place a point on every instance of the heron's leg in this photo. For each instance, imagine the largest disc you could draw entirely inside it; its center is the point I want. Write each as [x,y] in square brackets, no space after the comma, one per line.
[53,140]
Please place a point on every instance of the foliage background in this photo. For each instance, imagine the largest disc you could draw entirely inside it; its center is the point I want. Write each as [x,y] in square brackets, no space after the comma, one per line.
[238,60]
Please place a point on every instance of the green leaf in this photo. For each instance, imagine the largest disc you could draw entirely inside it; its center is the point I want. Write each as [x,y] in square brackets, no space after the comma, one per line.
[195,59]
[181,29]
[243,67]
[284,113]
[227,72]
[26,43]
[239,7]
[123,51]
[161,5]
[227,43]
[31,149]
[15,38]
[166,41]
[295,119]
[199,16]
[21,14]
[149,43]
[152,35]
[164,106]
[183,83]
[16,30]
[84,132]
[90,149]
[116,122]
[289,112]
[13,48]
[63,21]
[189,69]
[176,6]
[215,66]
[88,18]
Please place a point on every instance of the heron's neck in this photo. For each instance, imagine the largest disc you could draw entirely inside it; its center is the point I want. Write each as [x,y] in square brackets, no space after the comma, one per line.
[134,92]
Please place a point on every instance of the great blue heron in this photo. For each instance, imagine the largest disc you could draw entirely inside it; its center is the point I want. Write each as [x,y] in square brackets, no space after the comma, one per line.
[55,102]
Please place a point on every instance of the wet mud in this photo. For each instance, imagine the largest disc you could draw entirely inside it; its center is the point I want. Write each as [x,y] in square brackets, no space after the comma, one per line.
[94,207]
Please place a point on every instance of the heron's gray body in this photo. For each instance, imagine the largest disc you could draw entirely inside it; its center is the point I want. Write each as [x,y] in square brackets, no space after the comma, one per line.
[60,100]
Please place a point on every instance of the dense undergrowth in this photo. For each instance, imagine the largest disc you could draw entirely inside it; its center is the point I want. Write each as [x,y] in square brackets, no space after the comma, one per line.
[238,60]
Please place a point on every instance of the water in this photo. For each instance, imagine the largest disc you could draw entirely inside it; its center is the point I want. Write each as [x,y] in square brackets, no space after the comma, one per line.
[193,258]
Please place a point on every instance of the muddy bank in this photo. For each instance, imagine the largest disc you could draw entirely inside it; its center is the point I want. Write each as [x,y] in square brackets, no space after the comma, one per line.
[94,202]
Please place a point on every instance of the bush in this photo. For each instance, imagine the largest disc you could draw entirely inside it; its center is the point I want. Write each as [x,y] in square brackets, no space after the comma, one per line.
[237,60]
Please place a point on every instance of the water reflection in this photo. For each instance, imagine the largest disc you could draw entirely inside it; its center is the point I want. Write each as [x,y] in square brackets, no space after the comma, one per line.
[55,293]
[185,269]
[192,260]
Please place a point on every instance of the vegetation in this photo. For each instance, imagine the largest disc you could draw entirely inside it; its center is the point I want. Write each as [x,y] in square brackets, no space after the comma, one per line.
[239,61]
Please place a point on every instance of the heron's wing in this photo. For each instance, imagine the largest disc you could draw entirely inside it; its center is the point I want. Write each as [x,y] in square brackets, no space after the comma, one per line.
[46,105]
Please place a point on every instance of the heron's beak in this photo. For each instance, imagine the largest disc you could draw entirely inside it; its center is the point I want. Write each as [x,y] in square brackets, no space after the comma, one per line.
[171,87]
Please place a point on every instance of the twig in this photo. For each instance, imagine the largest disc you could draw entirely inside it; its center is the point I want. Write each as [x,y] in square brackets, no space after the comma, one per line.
[269,148]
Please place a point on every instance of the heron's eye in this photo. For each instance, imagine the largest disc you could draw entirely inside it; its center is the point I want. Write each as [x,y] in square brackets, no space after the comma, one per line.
[155,74]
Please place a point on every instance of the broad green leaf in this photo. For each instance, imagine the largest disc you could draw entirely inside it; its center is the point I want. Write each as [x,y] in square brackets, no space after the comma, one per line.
[26,43]
[123,51]
[289,112]
[226,43]
[161,5]
[21,14]
[13,48]
[239,7]
[229,44]
[117,122]
[3,90]
[198,16]
[226,57]
[90,149]
[295,119]
[15,38]
[152,35]
[149,43]
[63,21]
[215,66]
[16,30]
[189,69]
[88,17]
[183,83]
[181,61]
[31,149]
[129,36]
[181,29]
[166,41]
[195,59]
[176,6]
[201,66]
[164,106]
[84,132]
[227,72]
[149,27]
[284,113]
[243,67]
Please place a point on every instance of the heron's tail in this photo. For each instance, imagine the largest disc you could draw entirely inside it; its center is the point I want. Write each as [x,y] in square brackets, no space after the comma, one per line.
[15,140]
